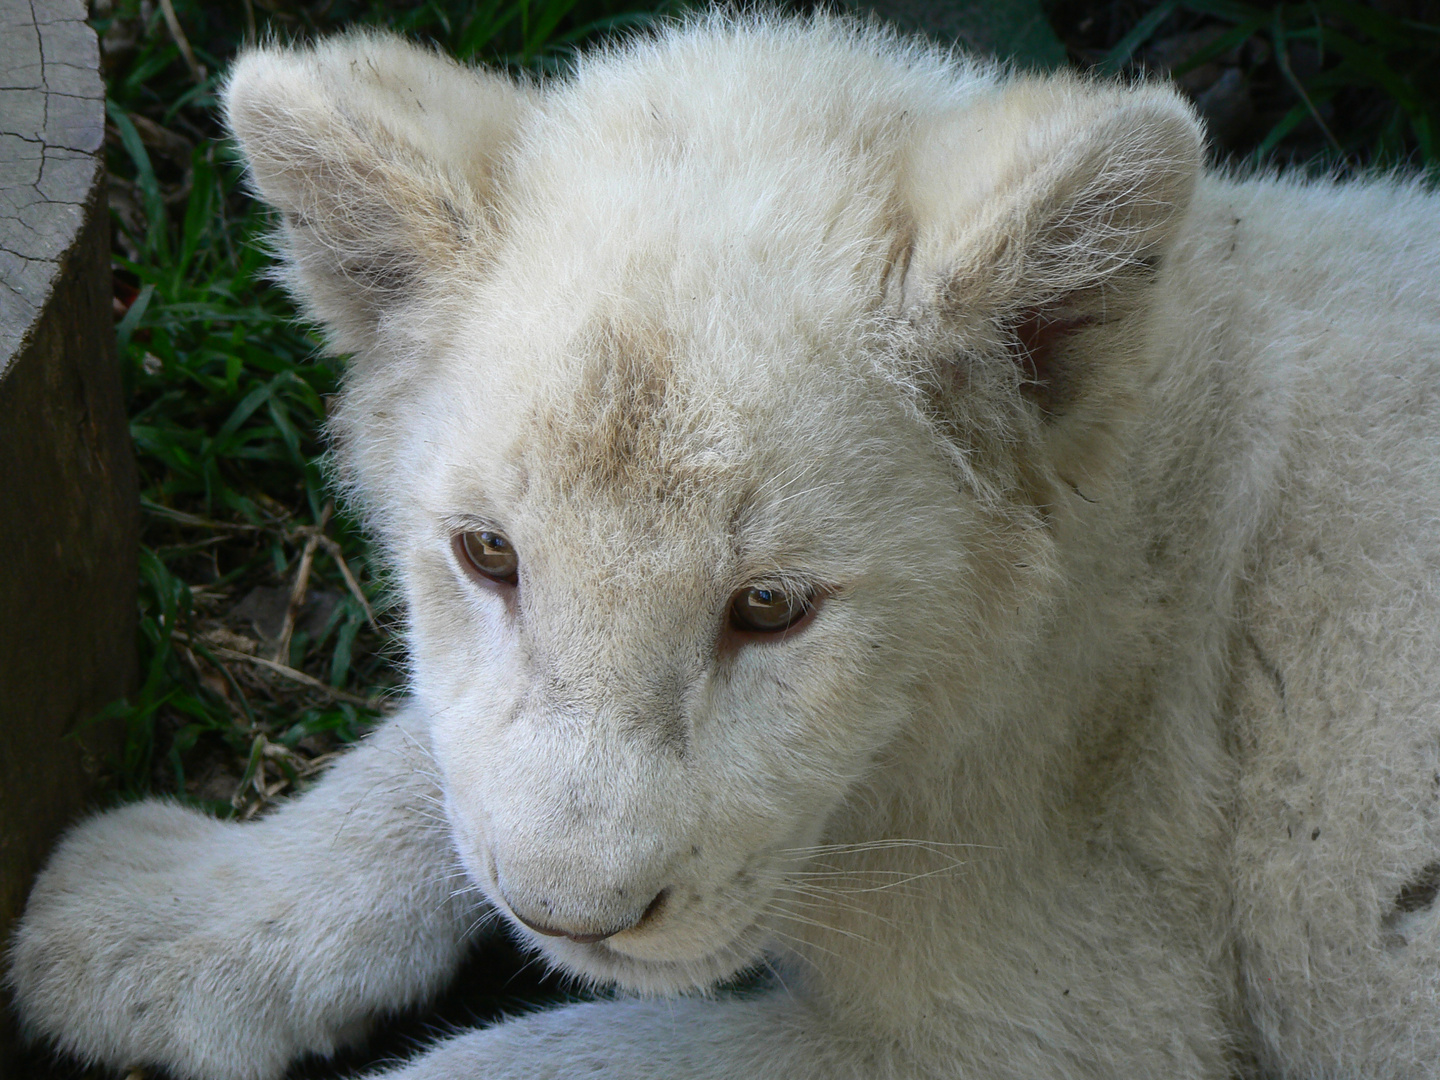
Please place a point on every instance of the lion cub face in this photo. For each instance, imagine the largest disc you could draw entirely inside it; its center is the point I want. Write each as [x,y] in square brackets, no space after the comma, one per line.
[660,586]
[719,430]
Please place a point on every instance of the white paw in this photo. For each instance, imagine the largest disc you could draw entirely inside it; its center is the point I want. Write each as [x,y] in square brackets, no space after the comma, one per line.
[141,944]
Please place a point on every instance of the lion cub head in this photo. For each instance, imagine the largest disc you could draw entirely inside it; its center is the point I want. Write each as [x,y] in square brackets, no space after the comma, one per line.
[719,407]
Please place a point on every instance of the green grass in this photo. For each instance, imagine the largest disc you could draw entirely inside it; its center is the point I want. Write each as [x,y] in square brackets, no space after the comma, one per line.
[1334,84]
[227,396]
[1369,52]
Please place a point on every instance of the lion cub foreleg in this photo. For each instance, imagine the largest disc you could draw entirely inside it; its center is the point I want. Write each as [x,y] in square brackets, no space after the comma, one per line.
[768,1037]
[158,936]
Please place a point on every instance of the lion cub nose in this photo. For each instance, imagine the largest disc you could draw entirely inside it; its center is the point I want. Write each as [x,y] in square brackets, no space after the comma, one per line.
[552,928]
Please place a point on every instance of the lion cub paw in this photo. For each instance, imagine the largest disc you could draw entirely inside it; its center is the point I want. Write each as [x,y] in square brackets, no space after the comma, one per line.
[135,949]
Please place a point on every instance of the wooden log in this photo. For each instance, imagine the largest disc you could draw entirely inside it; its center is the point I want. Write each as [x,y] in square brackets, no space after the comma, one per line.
[68,502]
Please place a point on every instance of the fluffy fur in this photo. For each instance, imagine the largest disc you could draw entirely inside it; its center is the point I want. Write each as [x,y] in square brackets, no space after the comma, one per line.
[1112,746]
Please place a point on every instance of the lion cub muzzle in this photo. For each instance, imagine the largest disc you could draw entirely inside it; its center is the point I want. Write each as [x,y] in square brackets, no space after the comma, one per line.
[591,834]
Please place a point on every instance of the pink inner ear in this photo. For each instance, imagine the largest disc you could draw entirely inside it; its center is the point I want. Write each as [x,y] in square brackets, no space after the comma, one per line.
[1039,336]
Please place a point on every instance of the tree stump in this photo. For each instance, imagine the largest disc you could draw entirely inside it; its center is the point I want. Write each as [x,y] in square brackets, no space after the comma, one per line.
[68,502]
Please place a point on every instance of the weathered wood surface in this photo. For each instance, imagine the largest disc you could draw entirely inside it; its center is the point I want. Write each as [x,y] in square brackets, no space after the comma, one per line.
[68,505]
[52,125]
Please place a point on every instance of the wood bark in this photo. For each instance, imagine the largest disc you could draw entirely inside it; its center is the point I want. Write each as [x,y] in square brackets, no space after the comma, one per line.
[68,503]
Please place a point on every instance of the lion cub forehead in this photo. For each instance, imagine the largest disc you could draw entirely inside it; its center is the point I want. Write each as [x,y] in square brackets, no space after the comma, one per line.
[622,412]
[708,164]
[655,422]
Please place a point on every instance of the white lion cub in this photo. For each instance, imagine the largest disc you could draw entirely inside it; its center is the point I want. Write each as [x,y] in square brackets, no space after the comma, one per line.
[860,514]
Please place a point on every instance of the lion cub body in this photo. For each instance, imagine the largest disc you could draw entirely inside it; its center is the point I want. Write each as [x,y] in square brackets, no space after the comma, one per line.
[1108,743]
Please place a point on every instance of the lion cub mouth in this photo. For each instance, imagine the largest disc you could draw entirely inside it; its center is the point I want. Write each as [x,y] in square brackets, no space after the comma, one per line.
[686,939]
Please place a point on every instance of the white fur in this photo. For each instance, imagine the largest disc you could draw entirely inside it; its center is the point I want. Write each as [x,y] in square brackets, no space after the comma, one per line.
[1113,749]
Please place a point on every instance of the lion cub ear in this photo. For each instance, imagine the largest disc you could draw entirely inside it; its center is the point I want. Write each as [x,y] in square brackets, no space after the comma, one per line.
[381,157]
[1040,218]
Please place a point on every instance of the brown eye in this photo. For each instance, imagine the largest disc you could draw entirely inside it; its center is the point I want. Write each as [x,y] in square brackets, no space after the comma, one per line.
[768,611]
[490,554]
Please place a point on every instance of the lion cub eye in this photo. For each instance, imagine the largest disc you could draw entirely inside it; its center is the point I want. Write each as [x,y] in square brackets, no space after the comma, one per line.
[768,611]
[489,554]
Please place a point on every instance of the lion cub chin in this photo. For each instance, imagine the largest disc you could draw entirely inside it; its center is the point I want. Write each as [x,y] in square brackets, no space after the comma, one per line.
[861,514]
